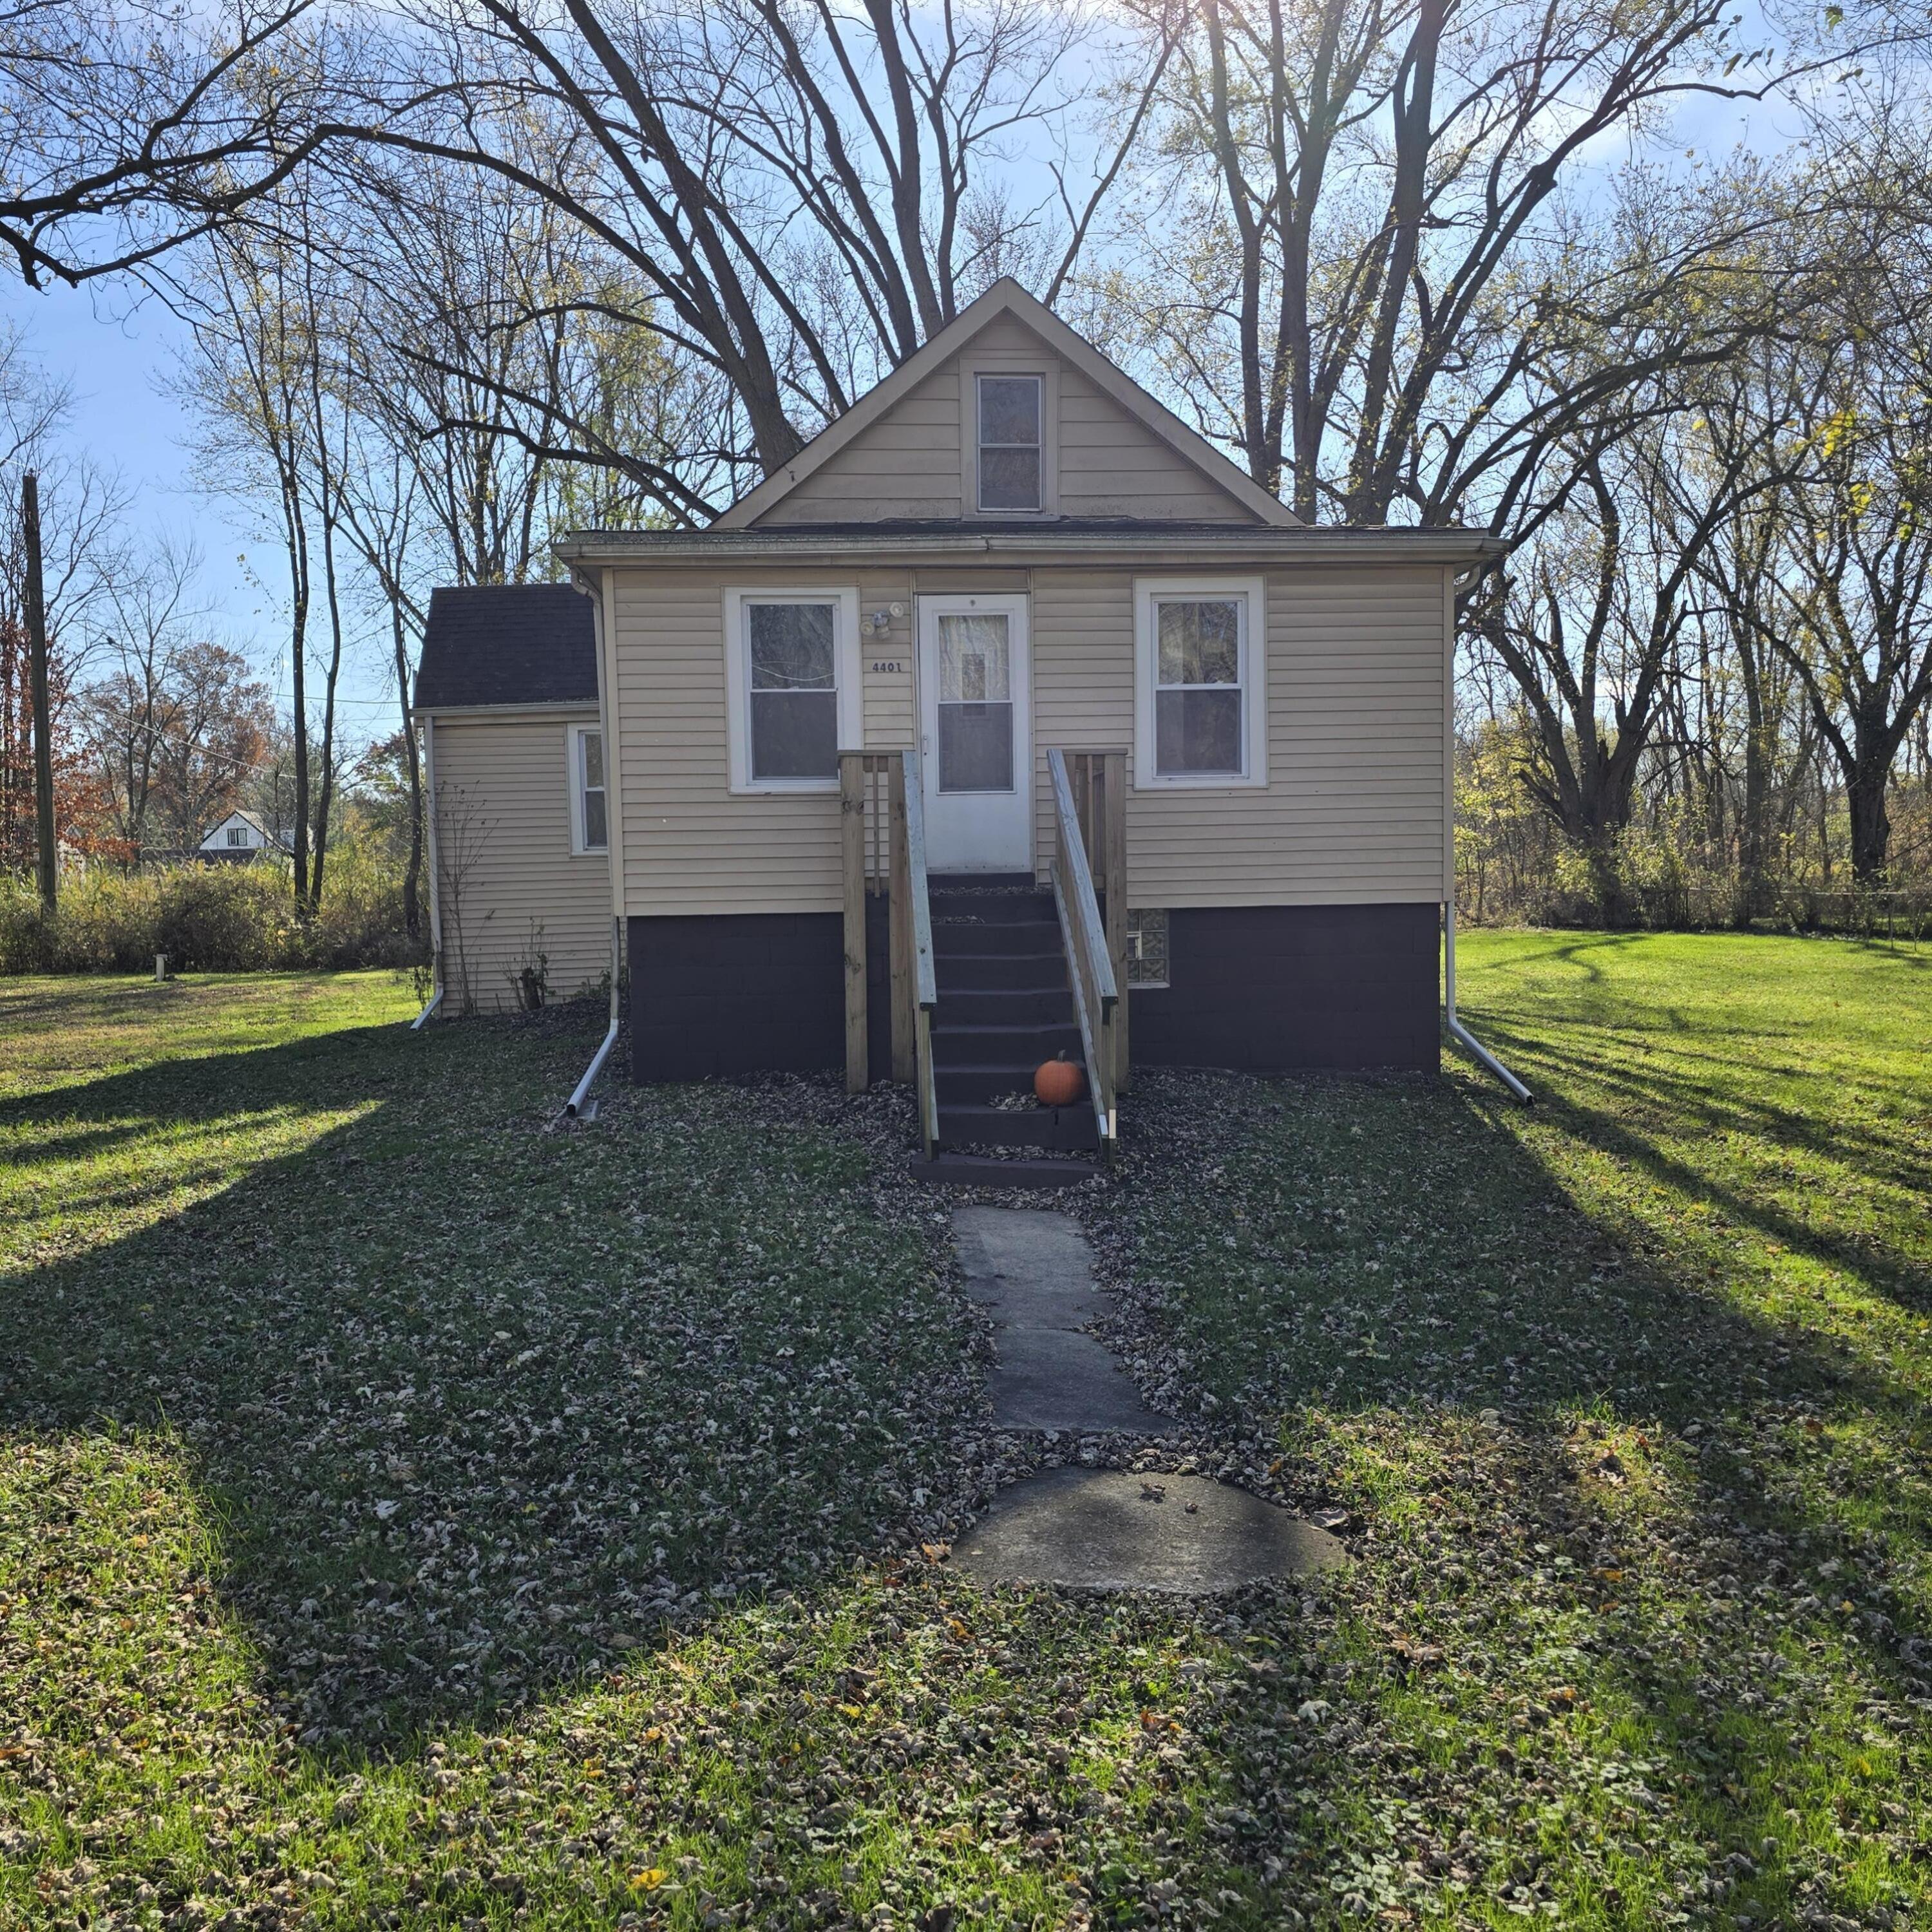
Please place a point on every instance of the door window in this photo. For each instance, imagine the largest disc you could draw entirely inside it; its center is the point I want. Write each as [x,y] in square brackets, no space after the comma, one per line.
[976,703]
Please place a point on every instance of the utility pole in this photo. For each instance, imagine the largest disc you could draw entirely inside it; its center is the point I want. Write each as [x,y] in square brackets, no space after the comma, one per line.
[37,662]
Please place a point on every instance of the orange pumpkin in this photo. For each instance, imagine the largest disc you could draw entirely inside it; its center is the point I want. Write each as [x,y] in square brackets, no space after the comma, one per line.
[1059,1083]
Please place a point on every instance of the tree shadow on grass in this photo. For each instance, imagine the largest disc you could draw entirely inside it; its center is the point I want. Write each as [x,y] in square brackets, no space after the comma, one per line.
[473,1400]
[1620,1631]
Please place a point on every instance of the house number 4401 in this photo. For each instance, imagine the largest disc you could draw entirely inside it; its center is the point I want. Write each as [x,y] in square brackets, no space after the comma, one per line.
[889,664]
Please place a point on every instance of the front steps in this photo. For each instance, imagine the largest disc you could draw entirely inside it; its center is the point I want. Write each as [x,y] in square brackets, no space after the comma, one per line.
[1005,1004]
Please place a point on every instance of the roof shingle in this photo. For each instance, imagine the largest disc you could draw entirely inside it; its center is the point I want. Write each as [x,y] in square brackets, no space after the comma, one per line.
[507,644]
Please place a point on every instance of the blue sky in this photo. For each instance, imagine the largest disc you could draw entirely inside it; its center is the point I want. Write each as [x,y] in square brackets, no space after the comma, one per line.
[118,358]
[118,362]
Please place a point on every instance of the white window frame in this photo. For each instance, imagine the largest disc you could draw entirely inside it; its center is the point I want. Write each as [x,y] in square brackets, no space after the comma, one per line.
[574,735]
[1251,593]
[996,363]
[844,600]
[238,837]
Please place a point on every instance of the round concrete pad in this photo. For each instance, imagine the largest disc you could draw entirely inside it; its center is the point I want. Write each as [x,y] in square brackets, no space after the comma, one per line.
[1102,1530]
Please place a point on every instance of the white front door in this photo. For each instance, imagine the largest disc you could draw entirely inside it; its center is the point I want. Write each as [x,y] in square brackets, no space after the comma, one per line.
[976,733]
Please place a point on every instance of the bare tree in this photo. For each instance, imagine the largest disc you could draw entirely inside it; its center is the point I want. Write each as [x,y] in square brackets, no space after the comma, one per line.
[129,126]
[129,709]
[797,196]
[1369,246]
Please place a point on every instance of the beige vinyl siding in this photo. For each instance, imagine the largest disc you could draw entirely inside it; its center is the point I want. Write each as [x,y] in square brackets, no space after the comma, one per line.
[1112,465]
[1353,813]
[502,802]
[908,463]
[690,844]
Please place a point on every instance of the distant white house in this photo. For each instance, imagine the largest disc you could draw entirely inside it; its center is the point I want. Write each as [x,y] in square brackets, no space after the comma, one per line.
[241,835]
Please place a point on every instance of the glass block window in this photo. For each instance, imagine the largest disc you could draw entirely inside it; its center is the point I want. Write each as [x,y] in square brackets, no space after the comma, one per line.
[1147,947]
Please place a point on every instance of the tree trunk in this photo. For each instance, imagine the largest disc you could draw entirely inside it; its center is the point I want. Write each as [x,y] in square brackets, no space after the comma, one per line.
[1870,827]
[412,872]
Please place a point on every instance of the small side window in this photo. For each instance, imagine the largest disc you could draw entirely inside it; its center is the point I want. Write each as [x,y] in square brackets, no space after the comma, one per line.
[589,815]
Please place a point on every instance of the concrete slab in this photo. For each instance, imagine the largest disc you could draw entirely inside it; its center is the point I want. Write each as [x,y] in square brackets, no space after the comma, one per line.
[1033,1269]
[1102,1529]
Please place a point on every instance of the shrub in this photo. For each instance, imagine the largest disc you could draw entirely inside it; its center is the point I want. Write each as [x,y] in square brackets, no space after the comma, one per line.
[208,919]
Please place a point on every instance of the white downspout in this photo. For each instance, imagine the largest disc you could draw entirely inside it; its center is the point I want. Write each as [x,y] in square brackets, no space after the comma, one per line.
[574,1106]
[1457,1030]
[613,808]
[435,875]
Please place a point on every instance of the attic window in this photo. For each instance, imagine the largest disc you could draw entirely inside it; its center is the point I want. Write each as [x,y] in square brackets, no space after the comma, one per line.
[1010,412]
[237,834]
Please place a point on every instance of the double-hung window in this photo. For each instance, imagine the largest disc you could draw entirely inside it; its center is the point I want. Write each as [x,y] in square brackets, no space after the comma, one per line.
[792,677]
[1201,703]
[1010,409]
[589,822]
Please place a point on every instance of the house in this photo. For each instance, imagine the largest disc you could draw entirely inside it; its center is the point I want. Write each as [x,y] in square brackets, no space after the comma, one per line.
[241,835]
[1008,719]
[506,697]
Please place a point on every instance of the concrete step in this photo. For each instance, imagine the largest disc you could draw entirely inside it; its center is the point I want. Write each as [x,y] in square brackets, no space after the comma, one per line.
[1043,1006]
[1037,971]
[1064,1129]
[981,1046]
[973,1086]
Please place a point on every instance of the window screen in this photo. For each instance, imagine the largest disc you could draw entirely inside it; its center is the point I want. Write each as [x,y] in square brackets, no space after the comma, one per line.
[1198,725]
[1009,442]
[592,821]
[793,690]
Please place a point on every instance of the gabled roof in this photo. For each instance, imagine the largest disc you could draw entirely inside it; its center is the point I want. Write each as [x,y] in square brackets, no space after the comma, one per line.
[507,644]
[1006,298]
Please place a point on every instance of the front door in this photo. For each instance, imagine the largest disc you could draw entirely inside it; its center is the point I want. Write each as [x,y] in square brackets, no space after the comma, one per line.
[976,733]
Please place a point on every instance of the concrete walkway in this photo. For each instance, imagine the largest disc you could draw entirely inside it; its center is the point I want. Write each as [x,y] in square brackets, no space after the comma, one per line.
[1097,1528]
[1033,1269]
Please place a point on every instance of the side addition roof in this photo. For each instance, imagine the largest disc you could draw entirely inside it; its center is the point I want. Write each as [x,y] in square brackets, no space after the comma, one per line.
[1005,297]
[507,644]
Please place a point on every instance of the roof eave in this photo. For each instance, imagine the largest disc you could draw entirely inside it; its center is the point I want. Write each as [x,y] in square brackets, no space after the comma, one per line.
[1298,543]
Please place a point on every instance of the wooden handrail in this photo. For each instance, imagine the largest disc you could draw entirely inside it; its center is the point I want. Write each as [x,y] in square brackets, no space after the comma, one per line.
[926,980]
[882,802]
[1098,780]
[1096,988]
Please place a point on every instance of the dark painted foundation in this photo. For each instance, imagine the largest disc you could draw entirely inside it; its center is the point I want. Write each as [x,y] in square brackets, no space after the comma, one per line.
[718,996]
[1260,989]
[1280,989]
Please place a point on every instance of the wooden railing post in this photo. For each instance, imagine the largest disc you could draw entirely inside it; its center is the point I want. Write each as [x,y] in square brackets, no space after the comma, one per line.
[905,1002]
[852,841]
[1113,883]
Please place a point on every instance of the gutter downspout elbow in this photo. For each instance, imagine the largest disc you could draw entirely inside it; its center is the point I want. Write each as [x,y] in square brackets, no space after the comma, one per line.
[435,1001]
[1458,1031]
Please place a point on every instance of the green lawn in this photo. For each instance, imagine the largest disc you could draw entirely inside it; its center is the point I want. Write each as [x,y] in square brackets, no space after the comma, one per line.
[412,1516]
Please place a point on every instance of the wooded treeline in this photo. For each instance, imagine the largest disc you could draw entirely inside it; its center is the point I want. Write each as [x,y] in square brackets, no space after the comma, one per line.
[457,276]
